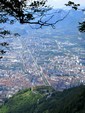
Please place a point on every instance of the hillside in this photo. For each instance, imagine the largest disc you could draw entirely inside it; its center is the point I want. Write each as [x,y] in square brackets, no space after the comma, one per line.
[46,100]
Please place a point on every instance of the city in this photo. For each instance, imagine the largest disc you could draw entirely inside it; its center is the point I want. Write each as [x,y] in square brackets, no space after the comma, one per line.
[33,62]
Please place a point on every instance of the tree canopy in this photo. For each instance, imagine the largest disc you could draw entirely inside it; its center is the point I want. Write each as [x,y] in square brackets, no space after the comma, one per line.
[31,13]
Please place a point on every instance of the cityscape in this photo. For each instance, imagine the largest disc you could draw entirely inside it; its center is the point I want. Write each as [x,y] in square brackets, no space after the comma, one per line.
[32,59]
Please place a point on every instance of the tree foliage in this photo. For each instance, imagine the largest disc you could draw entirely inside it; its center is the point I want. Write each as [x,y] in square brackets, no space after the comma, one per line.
[31,13]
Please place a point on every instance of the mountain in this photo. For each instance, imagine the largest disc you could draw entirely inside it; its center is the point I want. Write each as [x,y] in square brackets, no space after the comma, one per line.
[44,99]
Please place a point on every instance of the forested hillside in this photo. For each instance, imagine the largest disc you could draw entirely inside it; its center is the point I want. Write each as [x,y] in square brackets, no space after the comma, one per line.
[46,100]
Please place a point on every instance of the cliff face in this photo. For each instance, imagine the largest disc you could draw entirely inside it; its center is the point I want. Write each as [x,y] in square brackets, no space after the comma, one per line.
[46,100]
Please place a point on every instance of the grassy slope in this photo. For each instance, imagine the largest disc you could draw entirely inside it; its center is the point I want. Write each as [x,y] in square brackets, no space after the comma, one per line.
[39,101]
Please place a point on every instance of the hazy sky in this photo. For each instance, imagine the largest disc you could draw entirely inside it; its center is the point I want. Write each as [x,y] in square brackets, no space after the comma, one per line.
[60,3]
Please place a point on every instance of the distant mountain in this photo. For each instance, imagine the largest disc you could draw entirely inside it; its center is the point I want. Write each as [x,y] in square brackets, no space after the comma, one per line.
[46,100]
[71,20]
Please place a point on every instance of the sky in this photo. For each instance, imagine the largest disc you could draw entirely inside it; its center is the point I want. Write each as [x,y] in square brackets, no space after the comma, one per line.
[60,3]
